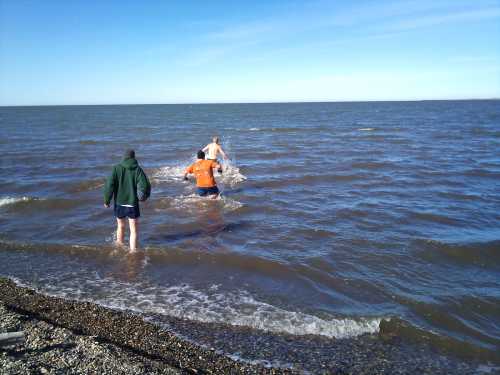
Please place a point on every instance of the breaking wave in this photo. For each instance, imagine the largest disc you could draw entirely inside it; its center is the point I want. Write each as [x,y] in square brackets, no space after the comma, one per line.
[212,306]
[12,200]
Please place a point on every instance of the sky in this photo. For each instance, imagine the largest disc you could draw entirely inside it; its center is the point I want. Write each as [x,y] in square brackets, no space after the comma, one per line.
[122,52]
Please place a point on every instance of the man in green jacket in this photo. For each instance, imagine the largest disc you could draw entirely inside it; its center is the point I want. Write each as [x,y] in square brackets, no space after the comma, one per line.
[128,184]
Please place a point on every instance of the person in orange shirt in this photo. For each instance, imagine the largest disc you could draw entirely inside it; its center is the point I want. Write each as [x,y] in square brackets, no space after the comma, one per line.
[203,171]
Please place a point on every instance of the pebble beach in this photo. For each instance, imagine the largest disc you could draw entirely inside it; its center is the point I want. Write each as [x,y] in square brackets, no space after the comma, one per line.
[83,338]
[65,336]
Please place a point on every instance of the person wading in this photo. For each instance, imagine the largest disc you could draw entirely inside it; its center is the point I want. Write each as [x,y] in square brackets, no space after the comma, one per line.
[203,171]
[213,150]
[128,184]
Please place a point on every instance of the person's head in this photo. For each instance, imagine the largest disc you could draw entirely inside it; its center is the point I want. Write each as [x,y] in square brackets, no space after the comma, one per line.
[200,155]
[130,154]
[215,140]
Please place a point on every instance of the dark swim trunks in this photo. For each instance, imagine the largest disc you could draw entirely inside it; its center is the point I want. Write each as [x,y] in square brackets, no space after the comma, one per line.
[202,192]
[122,212]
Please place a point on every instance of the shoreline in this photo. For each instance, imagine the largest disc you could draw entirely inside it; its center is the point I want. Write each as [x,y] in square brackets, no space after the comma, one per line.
[147,348]
[68,335]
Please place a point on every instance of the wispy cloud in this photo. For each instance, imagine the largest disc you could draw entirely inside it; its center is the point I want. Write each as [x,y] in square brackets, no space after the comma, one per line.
[378,11]
[440,19]
[245,31]
[373,20]
[211,53]
[204,56]
[475,59]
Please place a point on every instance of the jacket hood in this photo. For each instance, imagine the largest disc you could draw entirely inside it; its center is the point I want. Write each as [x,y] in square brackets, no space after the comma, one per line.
[129,163]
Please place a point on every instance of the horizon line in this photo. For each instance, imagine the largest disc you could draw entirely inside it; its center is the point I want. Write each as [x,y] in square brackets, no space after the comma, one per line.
[256,102]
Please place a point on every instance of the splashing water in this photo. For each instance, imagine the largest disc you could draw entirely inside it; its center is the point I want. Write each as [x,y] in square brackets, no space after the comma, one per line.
[169,173]
[11,200]
[195,202]
[231,174]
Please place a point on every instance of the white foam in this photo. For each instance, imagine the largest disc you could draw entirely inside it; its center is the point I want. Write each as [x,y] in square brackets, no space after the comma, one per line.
[230,204]
[237,308]
[366,129]
[10,200]
[170,173]
[111,239]
[254,129]
[231,175]
[195,202]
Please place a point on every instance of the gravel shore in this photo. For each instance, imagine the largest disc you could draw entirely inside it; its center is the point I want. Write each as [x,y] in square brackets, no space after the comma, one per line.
[49,349]
[83,338]
[64,336]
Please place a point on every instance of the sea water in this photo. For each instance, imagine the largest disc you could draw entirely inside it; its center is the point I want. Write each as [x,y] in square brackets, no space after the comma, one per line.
[333,217]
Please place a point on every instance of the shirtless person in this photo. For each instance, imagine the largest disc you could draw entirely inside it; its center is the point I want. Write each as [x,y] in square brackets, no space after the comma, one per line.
[213,149]
[203,171]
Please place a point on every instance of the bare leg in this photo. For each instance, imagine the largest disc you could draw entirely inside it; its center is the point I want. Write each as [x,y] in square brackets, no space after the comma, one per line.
[214,196]
[120,231]
[134,233]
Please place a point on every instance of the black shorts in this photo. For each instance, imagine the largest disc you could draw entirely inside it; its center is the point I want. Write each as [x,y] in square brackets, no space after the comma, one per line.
[202,192]
[122,212]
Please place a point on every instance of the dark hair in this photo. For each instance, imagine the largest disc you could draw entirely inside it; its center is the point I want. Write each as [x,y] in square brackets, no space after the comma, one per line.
[130,154]
[200,155]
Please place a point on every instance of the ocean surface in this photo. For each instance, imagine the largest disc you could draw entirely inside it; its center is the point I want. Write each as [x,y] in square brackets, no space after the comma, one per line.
[334,217]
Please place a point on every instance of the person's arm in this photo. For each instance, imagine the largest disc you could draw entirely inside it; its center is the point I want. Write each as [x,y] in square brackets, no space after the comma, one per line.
[143,186]
[223,153]
[205,149]
[109,188]
[188,171]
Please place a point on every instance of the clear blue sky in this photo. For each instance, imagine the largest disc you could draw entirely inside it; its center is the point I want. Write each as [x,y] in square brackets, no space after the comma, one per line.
[105,52]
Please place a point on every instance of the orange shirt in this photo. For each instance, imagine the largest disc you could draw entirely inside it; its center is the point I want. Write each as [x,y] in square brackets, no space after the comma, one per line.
[203,171]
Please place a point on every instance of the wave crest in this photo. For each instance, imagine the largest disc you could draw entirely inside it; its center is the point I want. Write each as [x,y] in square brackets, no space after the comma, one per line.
[212,306]
[13,200]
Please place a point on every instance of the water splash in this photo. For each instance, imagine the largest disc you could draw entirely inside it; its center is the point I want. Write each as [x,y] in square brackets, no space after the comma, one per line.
[231,175]
[170,173]
[175,173]
[12,200]
[195,202]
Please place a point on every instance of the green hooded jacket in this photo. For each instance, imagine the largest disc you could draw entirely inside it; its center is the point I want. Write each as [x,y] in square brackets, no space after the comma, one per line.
[128,184]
